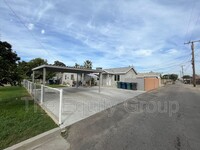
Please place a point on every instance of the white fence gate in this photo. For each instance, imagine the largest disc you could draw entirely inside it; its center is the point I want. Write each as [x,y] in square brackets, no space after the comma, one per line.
[40,93]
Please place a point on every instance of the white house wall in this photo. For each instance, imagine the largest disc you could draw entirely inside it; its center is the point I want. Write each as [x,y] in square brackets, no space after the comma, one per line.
[109,79]
[139,81]
[129,75]
[66,78]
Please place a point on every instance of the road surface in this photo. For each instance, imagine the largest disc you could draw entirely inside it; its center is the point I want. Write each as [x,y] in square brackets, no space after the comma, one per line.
[165,119]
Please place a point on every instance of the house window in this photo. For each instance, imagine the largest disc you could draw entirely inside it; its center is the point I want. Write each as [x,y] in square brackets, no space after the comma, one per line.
[72,77]
[65,77]
[117,77]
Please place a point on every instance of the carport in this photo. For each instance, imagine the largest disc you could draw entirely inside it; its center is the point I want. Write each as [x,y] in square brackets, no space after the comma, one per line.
[68,105]
[82,71]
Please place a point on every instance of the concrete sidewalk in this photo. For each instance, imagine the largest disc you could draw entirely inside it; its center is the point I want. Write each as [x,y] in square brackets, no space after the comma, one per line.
[54,143]
[49,140]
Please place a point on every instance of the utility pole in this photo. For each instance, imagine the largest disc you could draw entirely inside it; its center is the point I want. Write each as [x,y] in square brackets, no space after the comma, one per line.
[193,61]
[182,71]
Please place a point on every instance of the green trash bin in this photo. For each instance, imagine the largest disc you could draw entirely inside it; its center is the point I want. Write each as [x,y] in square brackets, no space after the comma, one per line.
[118,84]
[128,86]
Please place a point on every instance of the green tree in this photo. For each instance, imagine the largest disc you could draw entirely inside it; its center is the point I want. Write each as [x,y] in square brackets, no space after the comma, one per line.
[59,63]
[77,65]
[88,64]
[187,77]
[173,77]
[23,69]
[166,76]
[8,64]
[35,63]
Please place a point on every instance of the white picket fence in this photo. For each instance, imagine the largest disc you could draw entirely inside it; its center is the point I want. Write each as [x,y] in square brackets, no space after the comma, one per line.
[38,92]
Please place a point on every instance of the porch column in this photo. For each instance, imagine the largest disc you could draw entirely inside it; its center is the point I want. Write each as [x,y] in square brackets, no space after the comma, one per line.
[44,76]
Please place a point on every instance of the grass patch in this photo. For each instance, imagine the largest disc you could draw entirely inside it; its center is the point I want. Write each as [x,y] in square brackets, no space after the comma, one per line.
[20,117]
[56,85]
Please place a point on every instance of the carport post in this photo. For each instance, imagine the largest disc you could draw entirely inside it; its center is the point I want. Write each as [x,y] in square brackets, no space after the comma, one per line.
[60,107]
[82,78]
[77,80]
[33,77]
[44,76]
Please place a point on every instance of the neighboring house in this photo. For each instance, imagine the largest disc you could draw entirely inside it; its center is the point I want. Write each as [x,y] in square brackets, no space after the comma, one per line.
[197,79]
[69,78]
[110,77]
[83,79]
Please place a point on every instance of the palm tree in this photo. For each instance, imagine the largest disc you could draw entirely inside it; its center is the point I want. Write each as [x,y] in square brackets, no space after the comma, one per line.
[88,64]
[77,65]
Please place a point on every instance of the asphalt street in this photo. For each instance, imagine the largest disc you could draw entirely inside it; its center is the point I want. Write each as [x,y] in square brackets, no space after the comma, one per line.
[164,119]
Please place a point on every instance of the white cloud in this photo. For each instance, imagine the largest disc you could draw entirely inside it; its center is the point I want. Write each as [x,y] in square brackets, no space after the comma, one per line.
[172,51]
[43,8]
[145,34]
[42,31]
[144,52]
[30,26]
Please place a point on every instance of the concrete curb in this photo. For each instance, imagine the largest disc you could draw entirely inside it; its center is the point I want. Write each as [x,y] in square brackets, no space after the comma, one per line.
[37,140]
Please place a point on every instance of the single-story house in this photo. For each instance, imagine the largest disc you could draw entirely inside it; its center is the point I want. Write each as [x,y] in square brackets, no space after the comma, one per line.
[110,77]
[145,81]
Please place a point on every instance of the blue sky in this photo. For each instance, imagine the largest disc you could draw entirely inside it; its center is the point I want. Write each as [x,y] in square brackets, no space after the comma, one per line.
[147,34]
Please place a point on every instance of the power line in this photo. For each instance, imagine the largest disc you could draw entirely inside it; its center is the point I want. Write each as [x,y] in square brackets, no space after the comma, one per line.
[187,67]
[182,70]
[20,20]
[166,67]
[169,65]
[189,20]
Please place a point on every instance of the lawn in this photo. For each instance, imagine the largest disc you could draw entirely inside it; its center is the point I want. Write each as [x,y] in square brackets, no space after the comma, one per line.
[20,117]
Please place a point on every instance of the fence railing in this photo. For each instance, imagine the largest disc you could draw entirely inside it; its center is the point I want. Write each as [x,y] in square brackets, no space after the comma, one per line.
[42,94]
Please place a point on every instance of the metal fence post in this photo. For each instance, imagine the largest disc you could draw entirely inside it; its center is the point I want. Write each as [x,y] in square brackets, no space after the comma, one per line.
[42,94]
[31,87]
[34,84]
[60,106]
[28,86]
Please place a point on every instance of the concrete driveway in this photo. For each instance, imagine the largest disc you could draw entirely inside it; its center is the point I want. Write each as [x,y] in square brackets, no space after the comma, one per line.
[141,129]
[80,103]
